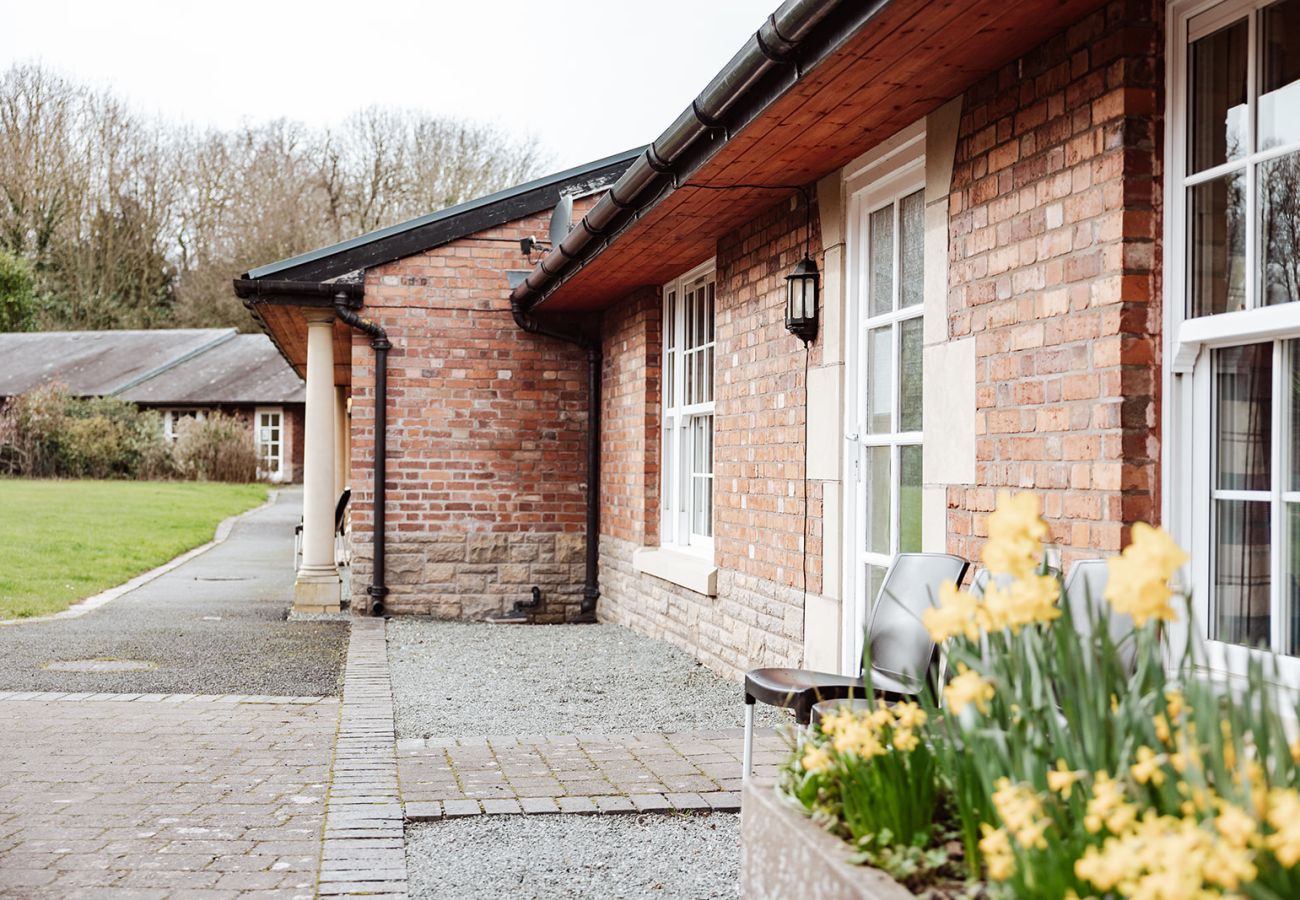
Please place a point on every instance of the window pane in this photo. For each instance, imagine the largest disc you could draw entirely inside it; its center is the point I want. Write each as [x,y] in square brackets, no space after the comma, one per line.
[1291,586]
[702,475]
[911,211]
[670,321]
[668,463]
[1279,228]
[1243,416]
[877,481]
[882,261]
[909,374]
[1218,97]
[1241,564]
[909,499]
[1218,251]
[1293,384]
[1279,97]
[880,387]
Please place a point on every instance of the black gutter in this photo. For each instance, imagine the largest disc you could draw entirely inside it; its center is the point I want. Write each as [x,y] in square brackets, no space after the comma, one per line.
[800,34]
[590,346]
[378,590]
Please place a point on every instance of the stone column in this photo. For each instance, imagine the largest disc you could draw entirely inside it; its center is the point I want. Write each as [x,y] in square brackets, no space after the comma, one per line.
[318,588]
[343,441]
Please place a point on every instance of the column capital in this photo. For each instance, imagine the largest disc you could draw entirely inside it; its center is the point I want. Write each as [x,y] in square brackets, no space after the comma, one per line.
[319,316]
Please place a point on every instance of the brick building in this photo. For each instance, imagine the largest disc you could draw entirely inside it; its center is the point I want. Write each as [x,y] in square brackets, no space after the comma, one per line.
[1056,245]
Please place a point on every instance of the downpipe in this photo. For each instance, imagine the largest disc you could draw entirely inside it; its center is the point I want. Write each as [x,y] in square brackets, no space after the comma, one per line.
[591,579]
[378,589]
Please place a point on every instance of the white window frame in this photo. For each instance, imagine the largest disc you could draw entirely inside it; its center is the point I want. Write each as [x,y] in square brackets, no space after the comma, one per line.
[279,473]
[1187,452]
[895,172]
[676,512]
[172,419]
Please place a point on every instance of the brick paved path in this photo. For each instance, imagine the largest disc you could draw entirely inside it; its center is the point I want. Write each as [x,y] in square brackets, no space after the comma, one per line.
[154,795]
[579,774]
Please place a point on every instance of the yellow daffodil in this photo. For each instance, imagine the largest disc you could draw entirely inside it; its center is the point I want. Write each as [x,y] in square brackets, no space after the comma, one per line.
[815,759]
[1236,827]
[1148,768]
[966,688]
[996,849]
[1284,817]
[1061,779]
[956,614]
[1107,808]
[1138,579]
[1016,533]
[1021,812]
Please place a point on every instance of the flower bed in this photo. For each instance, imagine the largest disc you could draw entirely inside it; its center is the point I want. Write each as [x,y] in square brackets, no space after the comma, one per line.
[1060,763]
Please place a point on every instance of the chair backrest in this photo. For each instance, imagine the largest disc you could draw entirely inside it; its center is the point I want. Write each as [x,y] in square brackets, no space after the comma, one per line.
[1085,589]
[900,645]
[340,508]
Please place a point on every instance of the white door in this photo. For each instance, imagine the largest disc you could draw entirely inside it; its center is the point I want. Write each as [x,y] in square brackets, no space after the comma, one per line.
[883,414]
[270,444]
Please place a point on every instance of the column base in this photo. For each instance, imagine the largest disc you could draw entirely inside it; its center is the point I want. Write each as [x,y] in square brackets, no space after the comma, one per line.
[318,592]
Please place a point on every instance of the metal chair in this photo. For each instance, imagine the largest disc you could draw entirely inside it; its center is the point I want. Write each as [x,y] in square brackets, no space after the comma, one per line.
[900,648]
[340,524]
[1085,590]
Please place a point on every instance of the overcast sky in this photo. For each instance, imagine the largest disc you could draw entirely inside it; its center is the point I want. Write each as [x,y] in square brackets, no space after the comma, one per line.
[587,78]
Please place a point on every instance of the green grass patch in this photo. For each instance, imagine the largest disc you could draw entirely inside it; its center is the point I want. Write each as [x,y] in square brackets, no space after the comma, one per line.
[63,541]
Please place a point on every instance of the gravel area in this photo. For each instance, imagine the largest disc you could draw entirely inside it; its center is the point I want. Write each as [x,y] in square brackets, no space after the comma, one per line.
[215,625]
[615,856]
[457,679]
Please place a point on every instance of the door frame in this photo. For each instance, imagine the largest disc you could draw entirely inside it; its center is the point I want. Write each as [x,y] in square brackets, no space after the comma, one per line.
[893,169]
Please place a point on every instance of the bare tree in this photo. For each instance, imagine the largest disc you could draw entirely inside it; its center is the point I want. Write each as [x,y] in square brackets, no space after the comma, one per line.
[131,223]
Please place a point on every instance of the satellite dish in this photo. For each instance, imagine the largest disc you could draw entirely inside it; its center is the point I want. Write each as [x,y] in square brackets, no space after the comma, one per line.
[561,219]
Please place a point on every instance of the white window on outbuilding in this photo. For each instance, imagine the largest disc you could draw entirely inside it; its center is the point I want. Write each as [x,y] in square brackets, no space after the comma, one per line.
[686,519]
[270,438]
[1232,352]
[172,419]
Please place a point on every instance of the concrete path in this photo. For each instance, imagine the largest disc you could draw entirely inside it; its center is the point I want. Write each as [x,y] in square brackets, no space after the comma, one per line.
[206,774]
[215,625]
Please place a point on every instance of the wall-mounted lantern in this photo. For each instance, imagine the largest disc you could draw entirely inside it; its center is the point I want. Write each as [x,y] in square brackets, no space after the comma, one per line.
[801,300]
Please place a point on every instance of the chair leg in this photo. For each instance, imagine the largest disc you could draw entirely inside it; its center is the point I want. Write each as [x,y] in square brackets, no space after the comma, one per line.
[747,764]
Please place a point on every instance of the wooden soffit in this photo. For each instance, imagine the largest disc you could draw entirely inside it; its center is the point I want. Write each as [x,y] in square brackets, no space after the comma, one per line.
[906,62]
[287,326]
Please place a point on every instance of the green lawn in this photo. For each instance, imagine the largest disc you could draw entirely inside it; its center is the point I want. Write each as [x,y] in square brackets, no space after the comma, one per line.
[62,541]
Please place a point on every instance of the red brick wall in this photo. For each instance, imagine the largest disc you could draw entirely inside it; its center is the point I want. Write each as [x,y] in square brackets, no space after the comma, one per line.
[1055,269]
[630,426]
[486,437]
[759,424]
[757,616]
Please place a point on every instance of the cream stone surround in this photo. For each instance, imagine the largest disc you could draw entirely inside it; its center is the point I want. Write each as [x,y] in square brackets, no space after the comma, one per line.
[949,387]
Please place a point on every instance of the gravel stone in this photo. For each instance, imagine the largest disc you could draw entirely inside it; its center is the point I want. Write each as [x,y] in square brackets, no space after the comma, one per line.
[215,625]
[613,856]
[463,679]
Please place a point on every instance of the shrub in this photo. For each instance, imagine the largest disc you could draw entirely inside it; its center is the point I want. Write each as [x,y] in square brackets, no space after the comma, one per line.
[47,433]
[1077,765]
[218,448]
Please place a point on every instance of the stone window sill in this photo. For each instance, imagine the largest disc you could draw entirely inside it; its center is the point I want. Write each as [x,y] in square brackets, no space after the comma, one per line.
[694,573]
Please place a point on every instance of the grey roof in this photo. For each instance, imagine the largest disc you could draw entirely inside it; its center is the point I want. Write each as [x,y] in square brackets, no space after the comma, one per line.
[96,363]
[245,369]
[139,365]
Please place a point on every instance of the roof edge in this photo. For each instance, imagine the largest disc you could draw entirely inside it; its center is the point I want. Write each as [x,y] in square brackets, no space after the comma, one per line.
[302,264]
[794,39]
